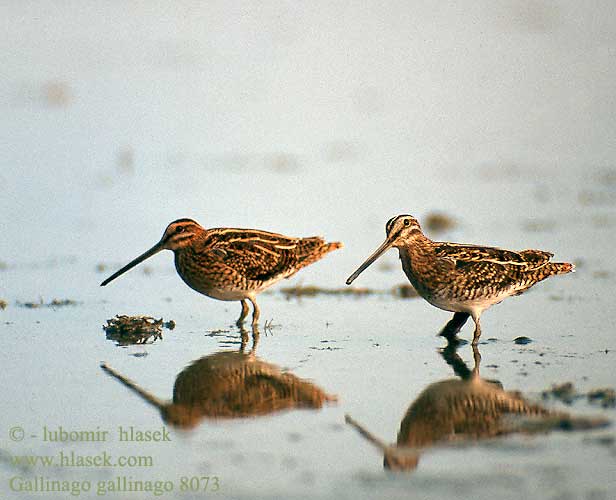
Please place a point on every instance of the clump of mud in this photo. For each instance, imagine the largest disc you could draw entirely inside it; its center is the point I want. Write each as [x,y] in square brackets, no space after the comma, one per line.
[563,392]
[57,94]
[539,225]
[53,303]
[565,422]
[127,330]
[566,392]
[523,340]
[102,267]
[437,223]
[313,291]
[403,291]
[605,397]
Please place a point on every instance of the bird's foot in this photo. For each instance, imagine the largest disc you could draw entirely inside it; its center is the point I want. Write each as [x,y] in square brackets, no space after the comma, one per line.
[455,341]
[454,325]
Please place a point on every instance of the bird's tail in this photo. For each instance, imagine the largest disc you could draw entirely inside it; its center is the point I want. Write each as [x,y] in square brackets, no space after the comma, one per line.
[333,245]
[312,249]
[544,272]
[560,267]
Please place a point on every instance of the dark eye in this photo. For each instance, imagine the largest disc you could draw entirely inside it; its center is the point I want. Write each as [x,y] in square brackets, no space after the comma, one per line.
[179,229]
[407,223]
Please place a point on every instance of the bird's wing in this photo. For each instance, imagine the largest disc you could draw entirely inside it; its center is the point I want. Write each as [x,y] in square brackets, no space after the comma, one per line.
[536,258]
[461,255]
[256,255]
[490,267]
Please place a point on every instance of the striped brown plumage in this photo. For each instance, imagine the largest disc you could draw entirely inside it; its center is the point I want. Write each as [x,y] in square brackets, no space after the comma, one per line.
[234,263]
[227,385]
[467,409]
[464,279]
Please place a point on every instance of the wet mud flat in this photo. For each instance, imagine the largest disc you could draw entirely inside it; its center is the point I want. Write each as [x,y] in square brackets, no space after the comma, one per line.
[125,124]
[270,413]
[326,401]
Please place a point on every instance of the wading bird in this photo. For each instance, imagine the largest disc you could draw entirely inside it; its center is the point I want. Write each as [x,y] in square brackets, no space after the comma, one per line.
[463,279]
[233,264]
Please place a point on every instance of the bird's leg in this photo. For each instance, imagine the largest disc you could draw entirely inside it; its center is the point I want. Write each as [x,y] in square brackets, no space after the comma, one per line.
[453,359]
[255,312]
[454,325]
[477,359]
[477,332]
[244,338]
[244,313]
[255,338]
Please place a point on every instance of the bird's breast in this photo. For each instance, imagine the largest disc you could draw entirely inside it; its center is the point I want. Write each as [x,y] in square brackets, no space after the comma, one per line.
[209,277]
[444,287]
[422,272]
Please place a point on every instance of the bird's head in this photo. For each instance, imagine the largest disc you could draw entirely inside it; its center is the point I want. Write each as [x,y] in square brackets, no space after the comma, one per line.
[400,231]
[179,234]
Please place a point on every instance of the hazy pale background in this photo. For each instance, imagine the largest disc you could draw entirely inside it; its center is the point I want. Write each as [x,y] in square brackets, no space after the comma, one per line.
[302,117]
[308,118]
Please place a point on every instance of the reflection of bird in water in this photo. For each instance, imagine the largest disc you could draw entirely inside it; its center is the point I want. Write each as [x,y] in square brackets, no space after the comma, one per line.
[233,264]
[464,279]
[230,384]
[467,409]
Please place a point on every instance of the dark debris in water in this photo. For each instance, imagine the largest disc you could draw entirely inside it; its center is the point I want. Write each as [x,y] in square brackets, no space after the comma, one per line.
[313,291]
[56,94]
[437,222]
[561,423]
[3,304]
[539,225]
[53,303]
[126,330]
[386,266]
[403,291]
[597,198]
[601,274]
[217,332]
[102,267]
[566,392]
[522,340]
[601,440]
[563,392]
[605,397]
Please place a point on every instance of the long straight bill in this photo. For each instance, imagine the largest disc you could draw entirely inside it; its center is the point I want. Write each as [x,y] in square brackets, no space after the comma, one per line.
[150,398]
[152,251]
[379,251]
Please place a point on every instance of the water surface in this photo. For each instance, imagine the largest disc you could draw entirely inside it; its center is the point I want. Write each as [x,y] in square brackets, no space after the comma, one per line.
[303,120]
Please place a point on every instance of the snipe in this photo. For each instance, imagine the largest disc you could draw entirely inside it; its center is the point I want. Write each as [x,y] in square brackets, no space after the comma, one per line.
[466,410]
[464,279]
[233,264]
[229,385]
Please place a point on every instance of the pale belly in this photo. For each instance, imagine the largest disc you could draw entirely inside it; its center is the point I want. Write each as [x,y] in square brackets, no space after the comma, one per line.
[467,306]
[219,294]
[227,293]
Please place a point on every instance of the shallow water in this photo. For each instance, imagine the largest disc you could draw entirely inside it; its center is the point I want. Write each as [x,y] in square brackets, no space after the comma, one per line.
[118,121]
